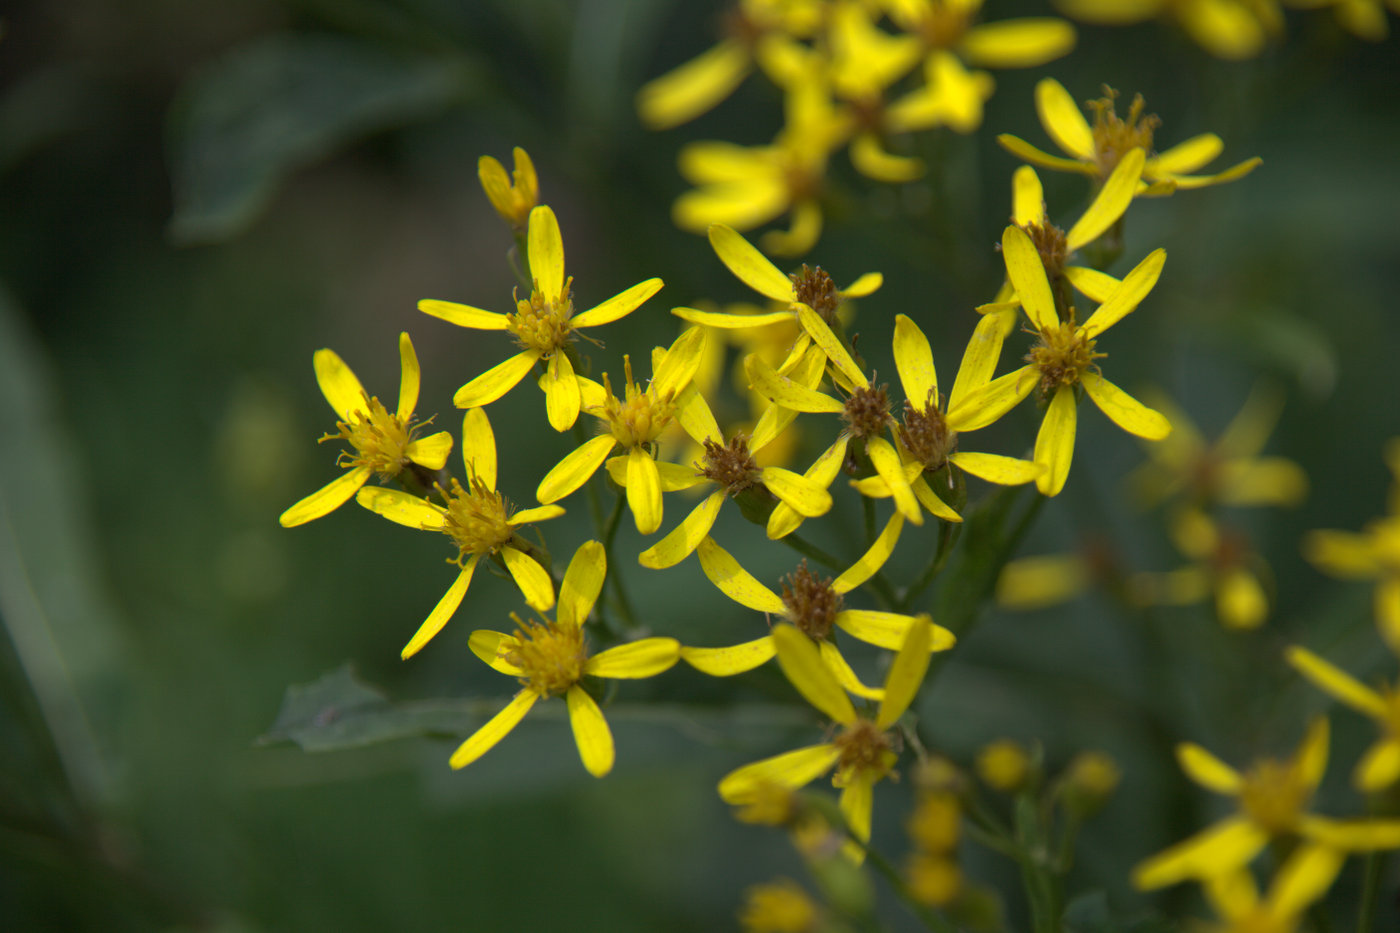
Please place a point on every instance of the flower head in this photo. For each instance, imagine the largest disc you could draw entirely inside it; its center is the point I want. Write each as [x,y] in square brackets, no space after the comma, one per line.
[1379,767]
[515,196]
[1228,29]
[1301,881]
[380,441]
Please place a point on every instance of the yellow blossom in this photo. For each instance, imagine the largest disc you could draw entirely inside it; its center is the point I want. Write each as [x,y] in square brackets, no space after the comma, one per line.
[543,326]
[1004,765]
[1224,567]
[780,907]
[1379,767]
[1228,29]
[1303,879]
[551,658]
[515,196]
[1372,554]
[479,520]
[382,442]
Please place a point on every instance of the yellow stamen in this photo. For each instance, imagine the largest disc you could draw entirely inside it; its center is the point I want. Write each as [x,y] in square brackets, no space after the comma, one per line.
[550,657]
[539,324]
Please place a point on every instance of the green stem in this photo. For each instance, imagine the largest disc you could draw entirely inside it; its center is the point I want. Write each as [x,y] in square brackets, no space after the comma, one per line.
[947,537]
[807,549]
[1370,891]
[624,602]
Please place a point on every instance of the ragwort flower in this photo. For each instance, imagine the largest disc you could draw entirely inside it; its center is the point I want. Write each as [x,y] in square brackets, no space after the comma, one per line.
[543,326]
[1379,767]
[1224,568]
[515,196]
[1303,879]
[864,751]
[479,520]
[1228,29]
[1373,554]
[383,443]
[552,659]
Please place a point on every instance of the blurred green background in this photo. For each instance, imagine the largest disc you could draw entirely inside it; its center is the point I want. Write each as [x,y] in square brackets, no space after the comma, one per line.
[195,197]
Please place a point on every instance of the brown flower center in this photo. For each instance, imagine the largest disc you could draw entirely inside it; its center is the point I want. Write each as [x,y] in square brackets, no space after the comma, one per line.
[868,411]
[1115,137]
[926,435]
[731,466]
[810,602]
[815,289]
[1064,352]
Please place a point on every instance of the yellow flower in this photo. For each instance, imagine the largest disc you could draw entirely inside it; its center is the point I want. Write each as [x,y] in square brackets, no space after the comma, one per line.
[815,605]
[1379,768]
[512,199]
[1096,151]
[1373,554]
[1225,567]
[1229,29]
[383,443]
[543,326]
[863,751]
[934,880]
[552,659]
[479,521]
[1064,359]
[1004,765]
[1273,798]
[780,907]
[635,422]
[1302,880]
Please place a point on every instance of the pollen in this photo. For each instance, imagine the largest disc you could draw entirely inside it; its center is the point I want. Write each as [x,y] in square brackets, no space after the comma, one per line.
[1064,352]
[868,411]
[550,657]
[477,518]
[926,435]
[639,417]
[815,289]
[810,602]
[1115,137]
[731,466]
[540,324]
[379,439]
[865,749]
[1274,795]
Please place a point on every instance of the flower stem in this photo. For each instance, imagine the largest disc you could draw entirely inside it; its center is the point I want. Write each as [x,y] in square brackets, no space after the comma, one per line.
[1370,891]
[882,866]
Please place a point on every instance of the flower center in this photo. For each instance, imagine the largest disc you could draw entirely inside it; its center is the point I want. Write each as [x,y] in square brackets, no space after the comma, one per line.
[378,437]
[540,324]
[1274,795]
[815,289]
[865,749]
[1064,352]
[810,602]
[731,466]
[550,657]
[944,23]
[639,417]
[1115,137]
[1049,241]
[925,434]
[477,518]
[868,411]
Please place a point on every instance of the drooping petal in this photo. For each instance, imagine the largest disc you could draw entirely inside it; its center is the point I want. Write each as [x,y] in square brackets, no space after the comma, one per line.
[1129,294]
[1188,182]
[430,451]
[846,677]
[575,469]
[496,728]
[410,378]
[1332,679]
[792,769]
[857,804]
[591,733]
[873,161]
[326,499]
[804,496]
[1027,274]
[685,537]
[736,582]
[492,647]
[822,336]
[906,674]
[784,520]
[338,384]
[996,468]
[873,559]
[1124,410]
[583,581]
[802,662]
[496,381]
[1024,150]
[619,305]
[1110,203]
[546,253]
[443,611]
[766,381]
[984,405]
[932,501]
[736,659]
[402,507]
[886,462]
[1222,848]
[913,358]
[646,657]
[1018,43]
[1207,770]
[685,92]
[643,490]
[752,267]
[1063,120]
[463,315]
[1054,444]
[533,580]
[1027,197]
[561,393]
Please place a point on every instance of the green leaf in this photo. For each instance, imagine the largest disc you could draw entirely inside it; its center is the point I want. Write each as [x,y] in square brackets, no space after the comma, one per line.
[284,102]
[991,533]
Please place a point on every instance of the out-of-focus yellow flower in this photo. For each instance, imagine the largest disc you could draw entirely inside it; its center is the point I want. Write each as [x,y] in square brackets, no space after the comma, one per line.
[1302,880]
[1096,151]
[1064,359]
[480,522]
[1229,29]
[1050,579]
[1362,18]
[1273,798]
[514,196]
[1225,567]
[935,880]
[1004,765]
[1089,780]
[863,751]
[383,443]
[552,659]
[543,326]
[815,605]
[780,907]
[691,89]
[1379,768]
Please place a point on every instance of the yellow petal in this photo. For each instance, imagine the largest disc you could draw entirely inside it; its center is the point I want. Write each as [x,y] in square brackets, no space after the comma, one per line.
[1054,444]
[791,769]
[402,507]
[771,424]
[533,580]
[1186,156]
[1124,410]
[736,659]
[1352,835]
[1027,274]
[410,378]
[1063,120]
[766,381]
[1110,203]
[802,662]
[634,660]
[1264,481]
[696,418]
[1093,284]
[823,337]
[1224,847]
[1188,182]
[689,90]
[430,451]
[338,384]
[575,469]
[1024,150]
[804,496]
[1037,582]
[906,674]
[591,733]
[731,321]
[888,629]
[1027,197]
[619,305]
[1207,770]
[873,161]
[1018,43]
[643,490]
[931,500]
[913,358]
[1311,758]
[857,803]
[674,476]
[846,677]
[561,393]
[1341,554]
[1303,879]
[736,582]
[867,284]
[546,253]
[583,581]
[1388,613]
[995,468]
[496,381]
[678,366]
[685,537]
[479,447]
[873,559]
[979,359]
[752,267]
[1379,767]
[485,738]
[1332,679]
[443,611]
[886,462]
[1130,292]
[492,647]
[537,514]
[463,315]
[326,499]
[1240,601]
